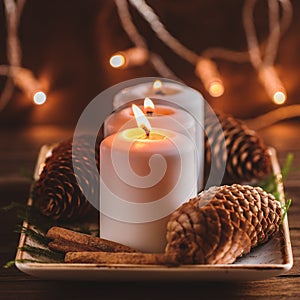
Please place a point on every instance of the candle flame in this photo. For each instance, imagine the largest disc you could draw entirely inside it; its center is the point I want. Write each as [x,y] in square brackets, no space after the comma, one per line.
[141,120]
[148,106]
[157,85]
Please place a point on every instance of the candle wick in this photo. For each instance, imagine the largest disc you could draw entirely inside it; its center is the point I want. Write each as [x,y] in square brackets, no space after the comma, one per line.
[147,131]
[159,92]
[149,113]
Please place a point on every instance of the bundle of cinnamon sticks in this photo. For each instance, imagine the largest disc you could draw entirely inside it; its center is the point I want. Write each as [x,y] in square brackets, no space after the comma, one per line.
[84,248]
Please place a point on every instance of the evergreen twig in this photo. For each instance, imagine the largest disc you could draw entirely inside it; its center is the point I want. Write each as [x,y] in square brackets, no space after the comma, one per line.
[40,252]
[287,166]
[12,205]
[271,184]
[11,263]
[33,234]
[286,207]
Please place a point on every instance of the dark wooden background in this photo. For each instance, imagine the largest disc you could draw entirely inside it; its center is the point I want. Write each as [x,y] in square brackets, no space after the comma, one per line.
[67,44]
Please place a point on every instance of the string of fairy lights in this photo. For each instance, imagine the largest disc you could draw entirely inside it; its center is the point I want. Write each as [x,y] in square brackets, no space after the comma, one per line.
[261,56]
[17,75]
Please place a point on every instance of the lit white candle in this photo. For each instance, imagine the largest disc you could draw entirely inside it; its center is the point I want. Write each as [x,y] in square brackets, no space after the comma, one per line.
[145,175]
[179,94]
[160,116]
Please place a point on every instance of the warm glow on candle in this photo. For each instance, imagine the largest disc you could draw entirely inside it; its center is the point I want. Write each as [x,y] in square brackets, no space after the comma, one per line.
[157,85]
[279,98]
[39,98]
[117,61]
[216,89]
[148,106]
[141,120]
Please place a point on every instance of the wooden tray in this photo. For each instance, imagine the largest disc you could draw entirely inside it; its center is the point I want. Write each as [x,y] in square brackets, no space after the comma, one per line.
[271,259]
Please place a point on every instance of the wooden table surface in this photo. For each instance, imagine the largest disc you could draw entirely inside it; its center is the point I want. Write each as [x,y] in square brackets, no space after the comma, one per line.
[18,150]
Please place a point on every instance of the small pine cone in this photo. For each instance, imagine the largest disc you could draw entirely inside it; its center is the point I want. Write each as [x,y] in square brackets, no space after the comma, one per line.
[221,224]
[246,157]
[58,192]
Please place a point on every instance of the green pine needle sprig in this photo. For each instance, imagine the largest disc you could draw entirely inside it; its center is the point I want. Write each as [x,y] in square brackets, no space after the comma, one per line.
[40,252]
[33,234]
[271,184]
[11,263]
[287,166]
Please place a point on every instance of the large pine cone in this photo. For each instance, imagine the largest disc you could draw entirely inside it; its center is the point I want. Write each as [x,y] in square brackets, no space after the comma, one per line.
[221,224]
[58,192]
[246,157]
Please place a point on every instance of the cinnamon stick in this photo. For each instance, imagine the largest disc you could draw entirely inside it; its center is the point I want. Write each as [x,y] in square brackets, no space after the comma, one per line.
[66,240]
[64,246]
[119,258]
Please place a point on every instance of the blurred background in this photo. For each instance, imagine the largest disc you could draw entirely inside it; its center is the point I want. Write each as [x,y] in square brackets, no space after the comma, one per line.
[68,44]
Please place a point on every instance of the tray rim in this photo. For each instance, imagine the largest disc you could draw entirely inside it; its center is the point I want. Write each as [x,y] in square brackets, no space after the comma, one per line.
[271,269]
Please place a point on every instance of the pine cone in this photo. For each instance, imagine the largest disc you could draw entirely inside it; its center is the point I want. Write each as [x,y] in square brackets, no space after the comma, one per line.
[221,224]
[58,192]
[246,157]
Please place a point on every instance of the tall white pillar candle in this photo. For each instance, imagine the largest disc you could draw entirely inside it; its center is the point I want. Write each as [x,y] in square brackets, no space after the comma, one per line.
[143,180]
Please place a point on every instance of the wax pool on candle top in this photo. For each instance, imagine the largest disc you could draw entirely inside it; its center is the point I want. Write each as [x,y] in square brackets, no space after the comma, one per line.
[142,181]
[162,116]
